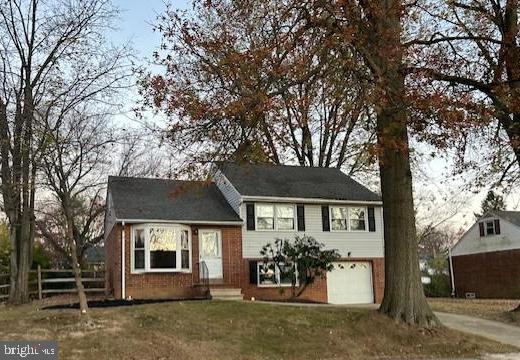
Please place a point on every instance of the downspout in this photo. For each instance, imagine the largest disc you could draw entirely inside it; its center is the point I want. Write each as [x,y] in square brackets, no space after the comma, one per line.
[123,285]
[452,276]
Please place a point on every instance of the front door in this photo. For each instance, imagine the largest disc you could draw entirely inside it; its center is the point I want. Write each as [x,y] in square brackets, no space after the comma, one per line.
[210,244]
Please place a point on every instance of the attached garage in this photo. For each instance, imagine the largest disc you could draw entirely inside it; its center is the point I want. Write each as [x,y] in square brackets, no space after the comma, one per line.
[350,283]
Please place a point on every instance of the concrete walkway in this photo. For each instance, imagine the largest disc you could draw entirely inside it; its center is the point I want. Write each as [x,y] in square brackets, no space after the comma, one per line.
[494,330]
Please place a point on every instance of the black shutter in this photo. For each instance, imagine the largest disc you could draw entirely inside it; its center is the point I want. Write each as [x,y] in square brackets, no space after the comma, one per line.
[497,227]
[481,228]
[371,219]
[325,218]
[250,216]
[302,276]
[300,214]
[253,272]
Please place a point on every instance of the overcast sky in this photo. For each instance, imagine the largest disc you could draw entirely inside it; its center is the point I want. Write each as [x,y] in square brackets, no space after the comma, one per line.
[436,191]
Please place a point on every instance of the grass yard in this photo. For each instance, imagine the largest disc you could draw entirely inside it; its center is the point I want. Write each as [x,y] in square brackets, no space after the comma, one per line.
[498,310]
[235,330]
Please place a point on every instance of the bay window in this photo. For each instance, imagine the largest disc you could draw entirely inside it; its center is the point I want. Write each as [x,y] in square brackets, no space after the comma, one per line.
[275,217]
[161,248]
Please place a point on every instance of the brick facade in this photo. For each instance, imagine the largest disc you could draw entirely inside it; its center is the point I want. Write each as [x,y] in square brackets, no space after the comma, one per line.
[316,291]
[235,272]
[489,275]
[170,285]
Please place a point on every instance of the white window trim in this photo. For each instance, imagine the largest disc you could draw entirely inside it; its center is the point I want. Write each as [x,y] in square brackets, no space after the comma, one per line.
[275,218]
[348,229]
[277,275]
[178,255]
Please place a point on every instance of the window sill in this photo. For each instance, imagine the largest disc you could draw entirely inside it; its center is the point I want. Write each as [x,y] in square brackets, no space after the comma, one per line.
[160,271]
[274,230]
[350,231]
[276,286]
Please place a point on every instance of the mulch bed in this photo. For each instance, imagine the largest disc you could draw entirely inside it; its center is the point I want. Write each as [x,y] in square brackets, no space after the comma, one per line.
[113,303]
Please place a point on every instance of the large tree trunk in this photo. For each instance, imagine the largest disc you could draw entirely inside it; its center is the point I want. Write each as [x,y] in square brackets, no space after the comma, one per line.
[21,244]
[404,298]
[17,193]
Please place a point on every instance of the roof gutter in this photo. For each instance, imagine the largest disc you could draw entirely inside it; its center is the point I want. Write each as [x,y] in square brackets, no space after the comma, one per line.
[309,200]
[186,222]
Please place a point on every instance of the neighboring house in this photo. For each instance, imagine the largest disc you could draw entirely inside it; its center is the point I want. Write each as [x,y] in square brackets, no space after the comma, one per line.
[486,260]
[170,227]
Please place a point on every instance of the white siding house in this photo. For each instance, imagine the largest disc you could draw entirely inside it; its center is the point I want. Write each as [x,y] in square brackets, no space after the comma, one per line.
[472,243]
[486,260]
[356,244]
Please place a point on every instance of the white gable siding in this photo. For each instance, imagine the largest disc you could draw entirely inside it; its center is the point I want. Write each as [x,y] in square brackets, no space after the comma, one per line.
[472,243]
[227,189]
[359,244]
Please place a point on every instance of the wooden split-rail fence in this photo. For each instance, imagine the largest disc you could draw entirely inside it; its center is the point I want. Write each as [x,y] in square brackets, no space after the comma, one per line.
[47,282]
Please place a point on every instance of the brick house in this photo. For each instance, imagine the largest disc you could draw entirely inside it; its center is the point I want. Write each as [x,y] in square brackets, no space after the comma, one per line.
[486,260]
[167,236]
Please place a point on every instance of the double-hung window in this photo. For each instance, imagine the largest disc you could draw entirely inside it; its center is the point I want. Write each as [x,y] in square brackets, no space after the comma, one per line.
[139,249]
[161,248]
[339,218]
[356,218]
[348,218]
[490,228]
[275,217]
[285,217]
[271,275]
[265,217]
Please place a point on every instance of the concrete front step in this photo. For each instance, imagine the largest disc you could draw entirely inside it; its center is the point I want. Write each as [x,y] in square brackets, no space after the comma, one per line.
[226,294]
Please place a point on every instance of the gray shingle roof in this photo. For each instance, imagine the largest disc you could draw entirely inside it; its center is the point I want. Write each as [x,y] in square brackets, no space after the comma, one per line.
[511,216]
[163,199]
[295,182]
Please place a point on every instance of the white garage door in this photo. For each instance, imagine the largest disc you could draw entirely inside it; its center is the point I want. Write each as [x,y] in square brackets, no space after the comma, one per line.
[351,284]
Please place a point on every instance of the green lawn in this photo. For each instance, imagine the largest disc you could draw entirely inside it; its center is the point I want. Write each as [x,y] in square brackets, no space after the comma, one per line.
[236,330]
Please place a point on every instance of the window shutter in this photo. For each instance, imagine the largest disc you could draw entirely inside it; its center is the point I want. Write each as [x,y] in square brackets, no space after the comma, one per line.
[325,218]
[253,272]
[250,216]
[302,277]
[371,219]
[481,228]
[300,215]
[497,227]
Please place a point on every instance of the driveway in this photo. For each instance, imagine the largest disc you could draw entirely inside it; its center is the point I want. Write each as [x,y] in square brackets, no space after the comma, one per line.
[494,330]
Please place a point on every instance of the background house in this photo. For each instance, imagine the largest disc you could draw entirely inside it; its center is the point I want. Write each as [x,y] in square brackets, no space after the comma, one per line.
[486,260]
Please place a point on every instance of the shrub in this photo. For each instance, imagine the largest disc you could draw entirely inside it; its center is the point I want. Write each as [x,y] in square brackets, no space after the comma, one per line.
[439,286]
